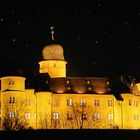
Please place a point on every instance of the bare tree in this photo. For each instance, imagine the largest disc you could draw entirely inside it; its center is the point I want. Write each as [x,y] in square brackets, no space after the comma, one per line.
[13,117]
[80,116]
[44,121]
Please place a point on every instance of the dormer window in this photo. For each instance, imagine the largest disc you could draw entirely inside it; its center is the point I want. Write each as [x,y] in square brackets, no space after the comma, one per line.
[89,88]
[67,81]
[69,88]
[11,82]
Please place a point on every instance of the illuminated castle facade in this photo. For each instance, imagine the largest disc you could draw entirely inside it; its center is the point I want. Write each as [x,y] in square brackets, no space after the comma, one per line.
[70,102]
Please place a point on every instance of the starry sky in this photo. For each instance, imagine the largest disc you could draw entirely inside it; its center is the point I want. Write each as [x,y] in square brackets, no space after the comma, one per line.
[100,38]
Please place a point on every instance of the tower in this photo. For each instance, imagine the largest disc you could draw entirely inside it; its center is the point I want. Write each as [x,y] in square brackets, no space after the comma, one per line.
[54,63]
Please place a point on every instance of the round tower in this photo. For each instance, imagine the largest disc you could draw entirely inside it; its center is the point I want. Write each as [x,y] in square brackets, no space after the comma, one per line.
[54,63]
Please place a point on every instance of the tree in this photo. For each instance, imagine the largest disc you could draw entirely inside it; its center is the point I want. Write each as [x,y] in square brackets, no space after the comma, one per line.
[80,116]
[44,121]
[13,117]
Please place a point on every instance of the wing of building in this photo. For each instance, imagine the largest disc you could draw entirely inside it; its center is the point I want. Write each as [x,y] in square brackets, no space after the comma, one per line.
[61,102]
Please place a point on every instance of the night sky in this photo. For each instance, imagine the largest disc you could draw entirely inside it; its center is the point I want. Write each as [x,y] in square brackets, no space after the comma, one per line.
[101,38]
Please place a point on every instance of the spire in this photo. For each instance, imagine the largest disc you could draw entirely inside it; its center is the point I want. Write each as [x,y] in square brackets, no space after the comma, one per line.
[52,32]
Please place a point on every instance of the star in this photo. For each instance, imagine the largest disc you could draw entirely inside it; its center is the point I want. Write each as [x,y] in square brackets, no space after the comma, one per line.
[1,19]
[89,12]
[106,32]
[18,22]
[99,4]
[125,35]
[13,12]
[34,35]
[96,42]
[106,56]
[86,55]
[13,39]
[26,45]
[93,62]
[75,13]
[38,12]
[1,46]
[79,37]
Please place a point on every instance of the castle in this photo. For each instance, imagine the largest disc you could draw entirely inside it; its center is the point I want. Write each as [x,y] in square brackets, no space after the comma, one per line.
[69,103]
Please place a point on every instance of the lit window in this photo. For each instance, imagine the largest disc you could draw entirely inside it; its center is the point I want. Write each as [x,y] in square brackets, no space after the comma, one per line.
[96,116]
[69,116]
[83,102]
[69,102]
[83,116]
[88,82]
[11,82]
[35,101]
[136,103]
[27,116]
[130,102]
[55,116]
[35,115]
[110,103]
[107,83]
[96,102]
[11,114]
[89,88]
[110,116]
[136,117]
[12,99]
[67,81]
[69,88]
[28,102]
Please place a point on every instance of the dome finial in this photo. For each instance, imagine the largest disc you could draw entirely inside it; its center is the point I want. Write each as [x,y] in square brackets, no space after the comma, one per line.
[52,32]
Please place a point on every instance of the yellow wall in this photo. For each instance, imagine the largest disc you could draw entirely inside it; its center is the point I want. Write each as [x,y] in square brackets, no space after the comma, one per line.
[55,68]
[41,106]
[128,111]
[12,83]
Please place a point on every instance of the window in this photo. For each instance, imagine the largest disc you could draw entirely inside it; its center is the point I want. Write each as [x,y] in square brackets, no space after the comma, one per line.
[69,102]
[110,116]
[69,116]
[12,99]
[83,116]
[96,116]
[55,116]
[55,102]
[67,81]
[35,101]
[136,117]
[110,103]
[35,115]
[27,116]
[11,114]
[107,82]
[88,82]
[11,82]
[28,102]
[130,102]
[89,88]
[83,102]
[136,103]
[69,88]
[96,102]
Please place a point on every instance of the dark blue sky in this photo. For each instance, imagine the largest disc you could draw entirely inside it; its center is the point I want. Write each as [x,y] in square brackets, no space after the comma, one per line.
[100,38]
